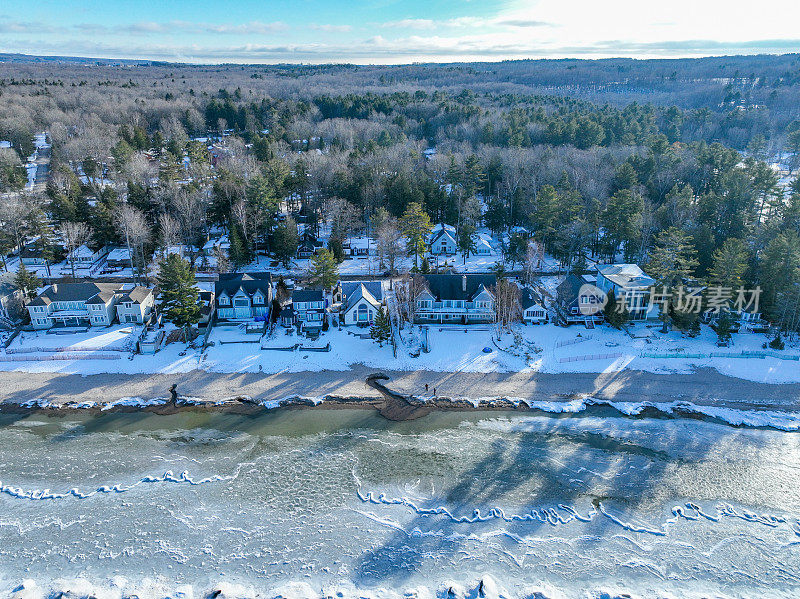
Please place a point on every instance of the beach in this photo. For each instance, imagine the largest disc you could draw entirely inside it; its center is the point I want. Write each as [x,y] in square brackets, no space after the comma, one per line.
[705,387]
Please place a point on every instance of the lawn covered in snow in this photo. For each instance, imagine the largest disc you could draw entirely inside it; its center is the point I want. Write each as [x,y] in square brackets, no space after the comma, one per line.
[542,348]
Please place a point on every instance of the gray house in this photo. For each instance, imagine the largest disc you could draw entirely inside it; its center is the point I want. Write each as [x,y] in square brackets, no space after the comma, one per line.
[75,304]
[456,299]
[309,308]
[243,296]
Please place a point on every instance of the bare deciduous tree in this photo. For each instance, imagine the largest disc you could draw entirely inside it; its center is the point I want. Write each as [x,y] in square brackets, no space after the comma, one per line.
[74,236]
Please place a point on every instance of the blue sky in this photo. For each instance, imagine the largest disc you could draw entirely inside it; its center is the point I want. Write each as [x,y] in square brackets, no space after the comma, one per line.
[388,31]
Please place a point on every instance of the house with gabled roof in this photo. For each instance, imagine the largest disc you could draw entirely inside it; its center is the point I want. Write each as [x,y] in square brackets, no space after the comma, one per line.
[135,304]
[75,304]
[87,254]
[456,299]
[533,308]
[631,285]
[309,308]
[579,300]
[243,296]
[361,301]
[442,241]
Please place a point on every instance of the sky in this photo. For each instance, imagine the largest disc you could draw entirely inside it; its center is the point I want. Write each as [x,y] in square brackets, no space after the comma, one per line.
[392,32]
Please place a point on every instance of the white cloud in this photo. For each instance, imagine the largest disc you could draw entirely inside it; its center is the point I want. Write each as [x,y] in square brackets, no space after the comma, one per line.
[330,28]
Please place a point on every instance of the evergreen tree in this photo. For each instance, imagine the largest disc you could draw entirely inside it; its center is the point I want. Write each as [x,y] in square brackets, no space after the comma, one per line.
[27,282]
[672,261]
[284,242]
[724,328]
[323,270]
[240,254]
[616,313]
[416,226]
[730,264]
[180,299]
[466,240]
[381,329]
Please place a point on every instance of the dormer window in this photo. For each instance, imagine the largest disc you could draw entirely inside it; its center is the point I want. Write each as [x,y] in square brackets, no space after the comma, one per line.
[223,300]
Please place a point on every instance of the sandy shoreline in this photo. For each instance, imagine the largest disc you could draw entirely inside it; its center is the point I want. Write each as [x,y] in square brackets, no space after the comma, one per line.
[703,387]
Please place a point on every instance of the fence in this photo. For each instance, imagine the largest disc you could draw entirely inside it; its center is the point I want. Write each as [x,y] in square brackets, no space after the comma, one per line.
[572,341]
[62,356]
[761,354]
[59,350]
[590,357]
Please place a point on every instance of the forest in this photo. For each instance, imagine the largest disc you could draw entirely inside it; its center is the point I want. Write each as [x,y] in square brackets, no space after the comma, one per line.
[689,165]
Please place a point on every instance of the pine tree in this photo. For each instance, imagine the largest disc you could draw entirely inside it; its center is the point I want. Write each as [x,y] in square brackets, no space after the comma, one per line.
[240,254]
[27,282]
[466,240]
[284,242]
[381,329]
[323,270]
[616,313]
[416,225]
[730,264]
[724,327]
[672,261]
[180,299]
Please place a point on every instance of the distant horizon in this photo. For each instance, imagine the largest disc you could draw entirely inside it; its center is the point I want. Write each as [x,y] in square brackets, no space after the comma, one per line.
[375,32]
[79,58]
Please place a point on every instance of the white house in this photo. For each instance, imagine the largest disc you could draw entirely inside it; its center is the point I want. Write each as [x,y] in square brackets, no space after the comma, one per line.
[482,246]
[631,285]
[361,302]
[75,304]
[443,240]
[83,255]
[456,299]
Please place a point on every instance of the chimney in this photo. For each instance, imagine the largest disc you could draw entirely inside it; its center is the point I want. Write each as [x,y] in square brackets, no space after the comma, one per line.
[464,283]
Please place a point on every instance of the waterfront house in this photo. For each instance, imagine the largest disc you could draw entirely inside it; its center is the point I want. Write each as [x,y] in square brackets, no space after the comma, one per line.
[533,308]
[135,304]
[11,299]
[75,304]
[456,299]
[578,300]
[629,284]
[361,301]
[243,296]
[309,309]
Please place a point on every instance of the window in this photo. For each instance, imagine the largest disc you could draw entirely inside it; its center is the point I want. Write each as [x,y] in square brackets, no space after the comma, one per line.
[241,302]
[223,300]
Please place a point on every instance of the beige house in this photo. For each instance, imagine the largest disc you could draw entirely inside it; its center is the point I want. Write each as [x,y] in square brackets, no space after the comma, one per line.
[135,305]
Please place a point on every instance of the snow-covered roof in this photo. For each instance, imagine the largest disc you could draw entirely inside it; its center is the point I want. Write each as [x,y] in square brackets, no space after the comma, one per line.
[626,276]
[119,254]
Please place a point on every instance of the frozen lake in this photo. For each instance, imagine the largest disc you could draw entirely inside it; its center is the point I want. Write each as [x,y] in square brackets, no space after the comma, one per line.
[316,502]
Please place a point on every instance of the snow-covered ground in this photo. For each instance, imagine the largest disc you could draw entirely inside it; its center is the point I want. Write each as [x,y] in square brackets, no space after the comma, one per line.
[114,338]
[543,348]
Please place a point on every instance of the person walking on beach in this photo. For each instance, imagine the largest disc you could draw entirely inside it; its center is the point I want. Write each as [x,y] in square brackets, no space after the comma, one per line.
[434,391]
[426,387]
